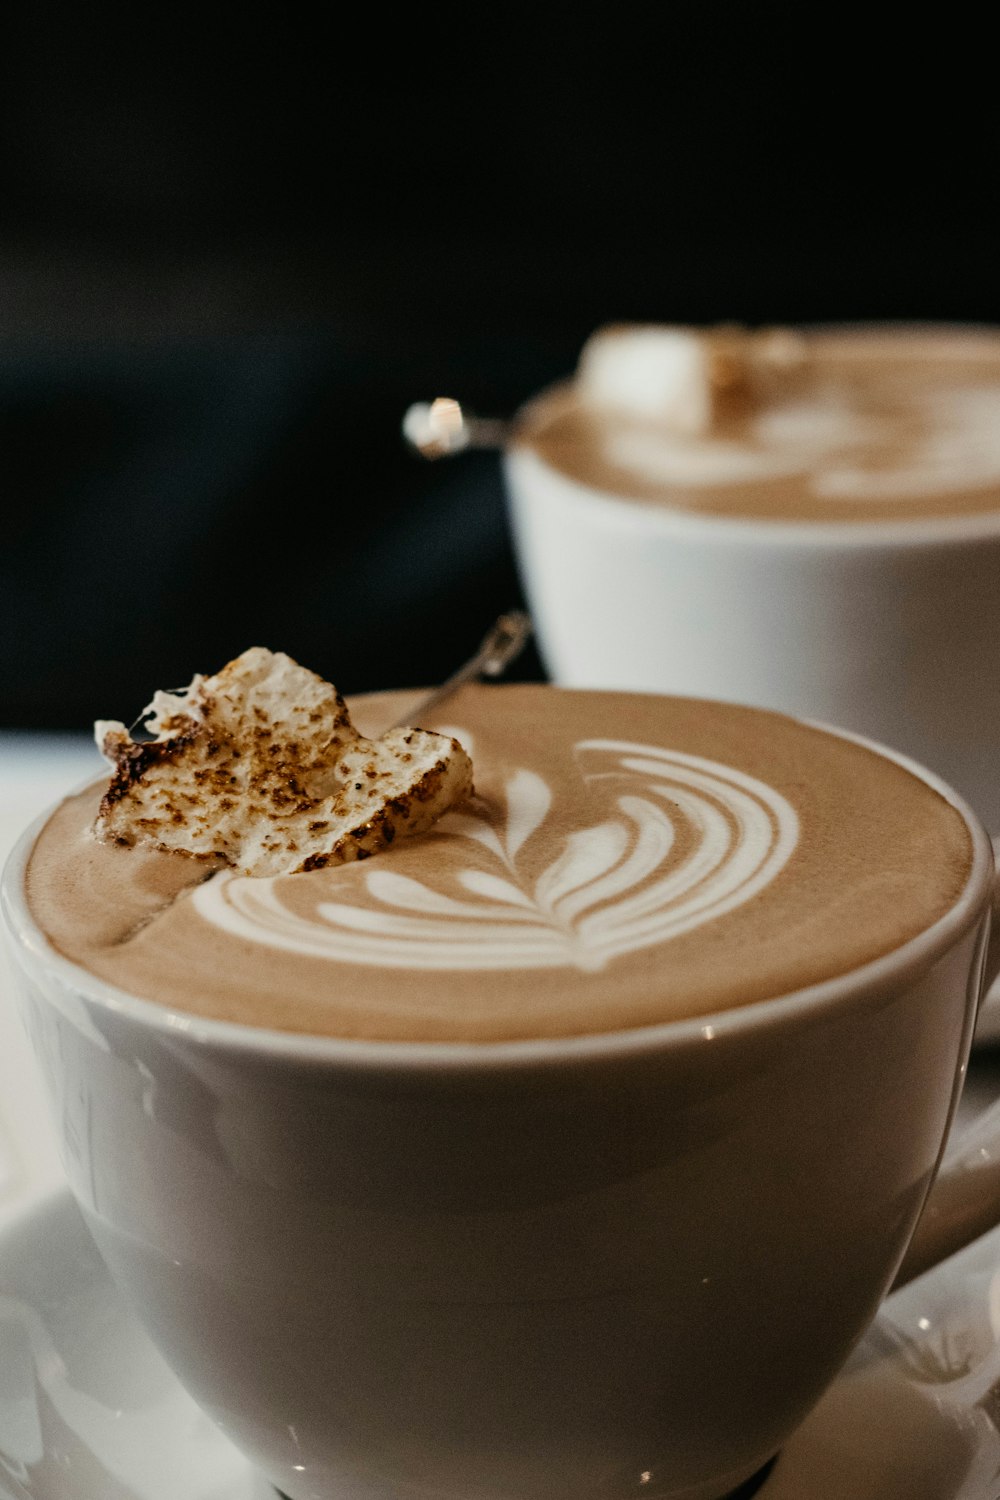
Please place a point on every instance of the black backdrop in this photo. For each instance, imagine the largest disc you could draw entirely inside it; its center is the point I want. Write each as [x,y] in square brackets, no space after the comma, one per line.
[228,262]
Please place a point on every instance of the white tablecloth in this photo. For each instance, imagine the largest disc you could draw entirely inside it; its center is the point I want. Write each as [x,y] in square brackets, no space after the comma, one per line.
[35,770]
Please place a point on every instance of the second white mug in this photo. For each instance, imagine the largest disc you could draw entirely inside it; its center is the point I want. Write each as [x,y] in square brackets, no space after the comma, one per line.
[886,627]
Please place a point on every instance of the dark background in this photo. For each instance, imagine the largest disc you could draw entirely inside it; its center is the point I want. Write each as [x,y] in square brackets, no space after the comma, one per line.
[229,261]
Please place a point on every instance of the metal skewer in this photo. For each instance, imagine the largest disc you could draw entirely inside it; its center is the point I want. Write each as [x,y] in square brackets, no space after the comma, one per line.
[439,428]
[498,649]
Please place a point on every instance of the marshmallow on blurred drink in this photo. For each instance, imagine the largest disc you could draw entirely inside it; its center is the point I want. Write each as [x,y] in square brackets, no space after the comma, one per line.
[649,372]
[684,379]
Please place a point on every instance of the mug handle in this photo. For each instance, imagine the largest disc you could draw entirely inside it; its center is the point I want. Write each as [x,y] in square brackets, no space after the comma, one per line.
[964,1201]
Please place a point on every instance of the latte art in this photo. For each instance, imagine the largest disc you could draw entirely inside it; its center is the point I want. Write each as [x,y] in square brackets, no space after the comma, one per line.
[613,887]
[626,859]
[840,453]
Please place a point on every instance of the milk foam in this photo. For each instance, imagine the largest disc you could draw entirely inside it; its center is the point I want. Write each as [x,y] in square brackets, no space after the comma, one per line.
[627,859]
[611,887]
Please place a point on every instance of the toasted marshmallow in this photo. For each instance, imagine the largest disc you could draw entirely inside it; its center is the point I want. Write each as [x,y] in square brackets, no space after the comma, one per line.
[261,767]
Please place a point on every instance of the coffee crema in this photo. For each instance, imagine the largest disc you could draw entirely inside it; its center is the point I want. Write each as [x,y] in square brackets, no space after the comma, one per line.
[627,859]
[868,425]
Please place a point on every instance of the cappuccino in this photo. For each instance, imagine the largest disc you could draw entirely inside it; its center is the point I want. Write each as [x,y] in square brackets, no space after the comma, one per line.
[626,859]
[835,425]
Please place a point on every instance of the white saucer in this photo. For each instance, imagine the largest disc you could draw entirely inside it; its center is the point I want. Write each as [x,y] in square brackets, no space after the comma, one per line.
[35,770]
[89,1411]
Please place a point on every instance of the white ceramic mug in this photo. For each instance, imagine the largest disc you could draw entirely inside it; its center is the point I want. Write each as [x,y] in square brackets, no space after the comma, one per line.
[889,629]
[579,1269]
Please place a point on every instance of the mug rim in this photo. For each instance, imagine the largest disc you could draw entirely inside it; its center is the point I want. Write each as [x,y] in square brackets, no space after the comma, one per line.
[33,949]
[763,531]
[918,531]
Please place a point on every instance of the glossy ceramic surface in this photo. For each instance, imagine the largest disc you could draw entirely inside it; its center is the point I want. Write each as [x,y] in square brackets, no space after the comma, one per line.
[546,1269]
[533,1270]
[89,1411]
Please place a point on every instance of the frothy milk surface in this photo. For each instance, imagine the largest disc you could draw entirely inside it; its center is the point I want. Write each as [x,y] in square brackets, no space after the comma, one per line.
[627,859]
[862,425]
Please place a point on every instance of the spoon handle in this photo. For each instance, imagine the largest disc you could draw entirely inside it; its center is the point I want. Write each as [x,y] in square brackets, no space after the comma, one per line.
[498,648]
[441,427]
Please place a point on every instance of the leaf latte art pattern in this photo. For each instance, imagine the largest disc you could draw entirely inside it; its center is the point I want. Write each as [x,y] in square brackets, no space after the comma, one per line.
[688,840]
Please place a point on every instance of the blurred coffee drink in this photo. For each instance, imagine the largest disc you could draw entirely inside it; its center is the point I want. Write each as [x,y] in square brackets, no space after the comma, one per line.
[805,520]
[842,426]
